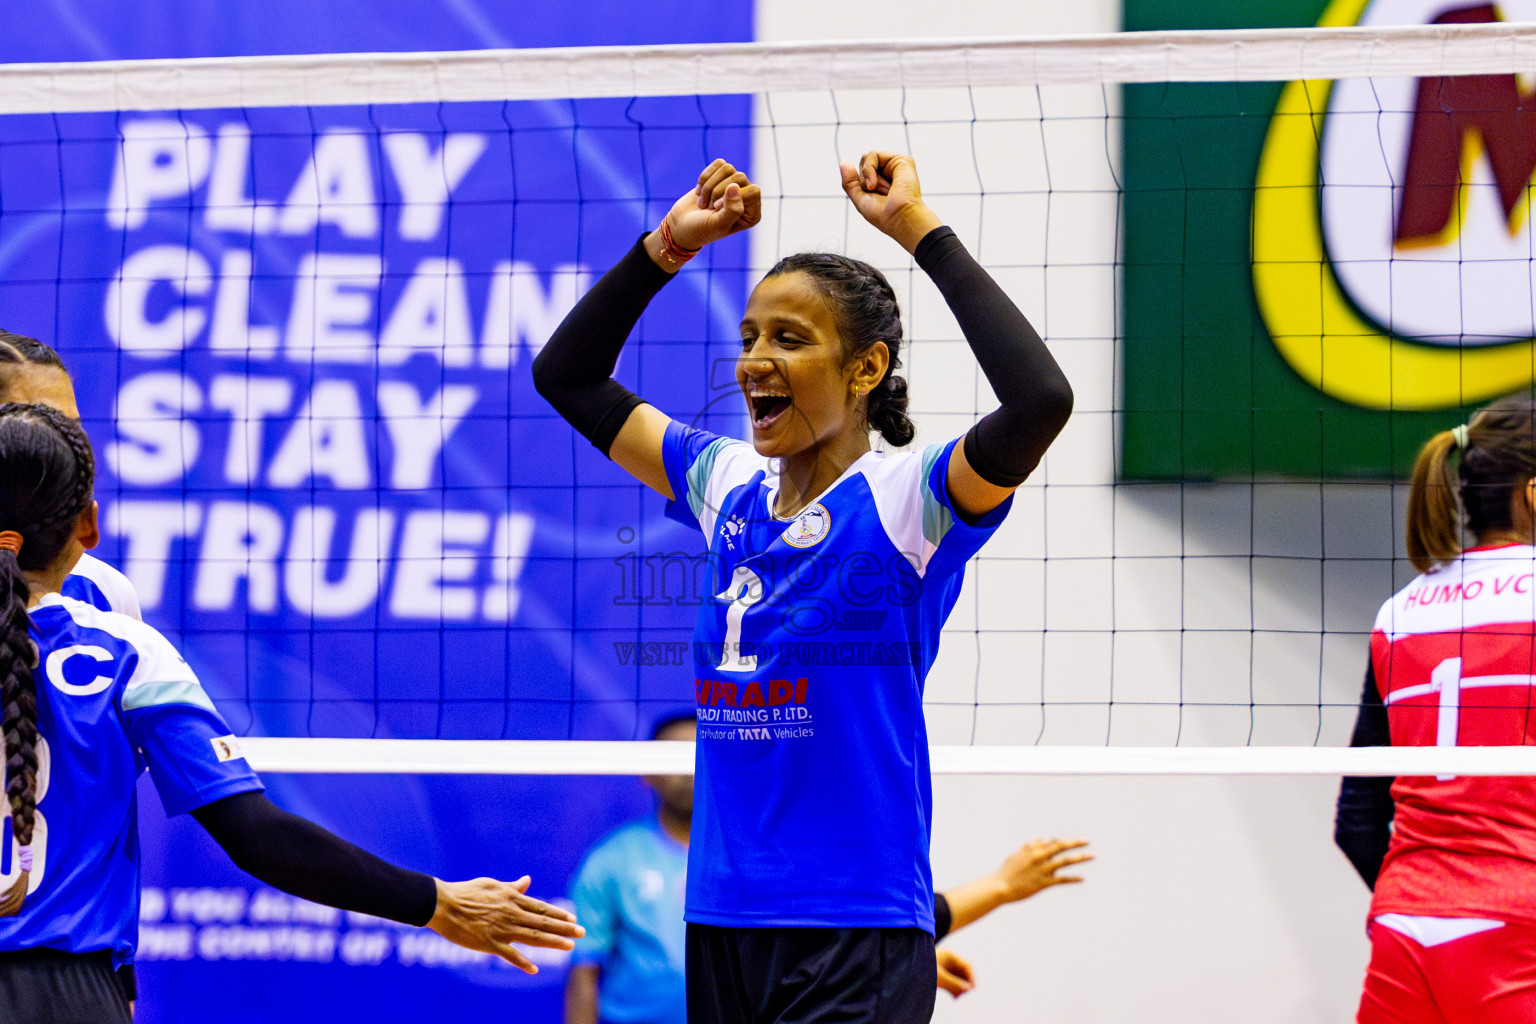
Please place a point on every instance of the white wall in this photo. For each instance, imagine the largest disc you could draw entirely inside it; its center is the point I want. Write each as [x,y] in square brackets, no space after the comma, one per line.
[1212,900]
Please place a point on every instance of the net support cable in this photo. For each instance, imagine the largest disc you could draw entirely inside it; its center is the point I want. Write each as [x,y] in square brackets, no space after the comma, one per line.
[1259,55]
[586,757]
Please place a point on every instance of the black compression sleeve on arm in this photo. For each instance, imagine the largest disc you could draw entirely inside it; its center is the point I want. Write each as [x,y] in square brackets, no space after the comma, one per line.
[302,859]
[574,372]
[1005,445]
[942,918]
[1362,824]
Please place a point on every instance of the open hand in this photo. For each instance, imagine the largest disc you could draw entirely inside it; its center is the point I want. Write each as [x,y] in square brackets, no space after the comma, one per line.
[885,190]
[1034,866]
[955,974]
[486,915]
[721,203]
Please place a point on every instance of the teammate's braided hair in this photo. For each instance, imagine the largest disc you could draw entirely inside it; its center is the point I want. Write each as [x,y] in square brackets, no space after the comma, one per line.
[18,350]
[865,308]
[1499,457]
[49,473]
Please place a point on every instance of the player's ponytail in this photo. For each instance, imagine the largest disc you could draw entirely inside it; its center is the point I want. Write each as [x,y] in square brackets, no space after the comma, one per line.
[1495,455]
[1434,508]
[46,462]
[865,308]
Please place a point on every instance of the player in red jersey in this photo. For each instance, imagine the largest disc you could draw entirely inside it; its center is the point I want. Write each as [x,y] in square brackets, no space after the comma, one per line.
[1452,860]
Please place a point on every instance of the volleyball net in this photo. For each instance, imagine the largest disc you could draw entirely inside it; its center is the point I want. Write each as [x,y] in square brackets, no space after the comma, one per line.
[300,297]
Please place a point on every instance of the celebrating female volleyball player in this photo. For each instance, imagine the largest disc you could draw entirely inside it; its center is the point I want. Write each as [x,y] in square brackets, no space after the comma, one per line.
[85,693]
[1453,918]
[809,890]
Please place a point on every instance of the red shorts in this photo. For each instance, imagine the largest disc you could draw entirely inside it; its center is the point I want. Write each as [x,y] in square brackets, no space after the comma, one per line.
[1485,978]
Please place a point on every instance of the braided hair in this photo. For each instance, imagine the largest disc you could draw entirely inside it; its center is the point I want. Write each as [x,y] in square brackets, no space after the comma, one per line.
[17,350]
[865,308]
[46,462]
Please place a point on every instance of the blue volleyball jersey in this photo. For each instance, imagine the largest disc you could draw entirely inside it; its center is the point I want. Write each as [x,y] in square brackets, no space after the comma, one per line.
[101,586]
[112,695]
[812,799]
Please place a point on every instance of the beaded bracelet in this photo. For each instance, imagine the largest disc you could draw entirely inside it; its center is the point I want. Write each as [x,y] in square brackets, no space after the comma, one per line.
[670,250]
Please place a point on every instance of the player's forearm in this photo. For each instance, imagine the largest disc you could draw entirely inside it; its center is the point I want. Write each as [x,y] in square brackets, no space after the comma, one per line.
[302,859]
[1034,395]
[974,900]
[574,372]
[581,995]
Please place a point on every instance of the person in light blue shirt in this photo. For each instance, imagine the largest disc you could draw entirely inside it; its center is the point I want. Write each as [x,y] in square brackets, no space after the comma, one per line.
[628,892]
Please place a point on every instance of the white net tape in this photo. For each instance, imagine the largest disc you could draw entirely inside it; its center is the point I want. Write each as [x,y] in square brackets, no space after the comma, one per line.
[577,757]
[1264,55]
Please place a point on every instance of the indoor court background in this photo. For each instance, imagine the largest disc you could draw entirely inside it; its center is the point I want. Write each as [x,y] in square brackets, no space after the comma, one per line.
[1103,606]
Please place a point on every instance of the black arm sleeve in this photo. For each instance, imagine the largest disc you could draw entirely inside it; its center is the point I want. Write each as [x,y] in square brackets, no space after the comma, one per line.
[942,918]
[299,857]
[1362,824]
[574,372]
[1006,444]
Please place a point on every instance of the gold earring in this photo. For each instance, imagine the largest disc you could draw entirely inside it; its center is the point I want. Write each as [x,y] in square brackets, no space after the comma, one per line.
[858,389]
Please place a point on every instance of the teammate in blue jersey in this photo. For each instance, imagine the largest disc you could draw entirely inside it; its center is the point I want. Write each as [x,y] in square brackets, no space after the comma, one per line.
[833,569]
[87,697]
[33,373]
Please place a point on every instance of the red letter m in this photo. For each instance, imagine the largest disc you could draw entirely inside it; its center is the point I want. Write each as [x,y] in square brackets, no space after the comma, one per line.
[1449,110]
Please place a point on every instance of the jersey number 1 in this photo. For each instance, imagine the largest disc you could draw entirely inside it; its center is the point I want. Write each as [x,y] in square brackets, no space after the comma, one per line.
[746,590]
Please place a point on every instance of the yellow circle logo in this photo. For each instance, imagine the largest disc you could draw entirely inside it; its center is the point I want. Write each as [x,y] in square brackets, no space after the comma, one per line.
[1391,245]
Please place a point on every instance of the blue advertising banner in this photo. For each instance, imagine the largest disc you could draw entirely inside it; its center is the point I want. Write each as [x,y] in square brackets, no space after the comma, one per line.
[301,342]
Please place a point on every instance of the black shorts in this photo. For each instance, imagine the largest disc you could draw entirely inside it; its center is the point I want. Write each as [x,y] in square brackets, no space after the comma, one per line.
[809,975]
[45,986]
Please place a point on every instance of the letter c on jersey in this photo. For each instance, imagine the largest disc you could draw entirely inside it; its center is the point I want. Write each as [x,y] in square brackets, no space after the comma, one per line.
[55,668]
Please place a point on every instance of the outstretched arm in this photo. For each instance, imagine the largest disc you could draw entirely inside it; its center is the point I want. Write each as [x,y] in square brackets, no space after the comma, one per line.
[1001,450]
[1027,870]
[299,857]
[574,372]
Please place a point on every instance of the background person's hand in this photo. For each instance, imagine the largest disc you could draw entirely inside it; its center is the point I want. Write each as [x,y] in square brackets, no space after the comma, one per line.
[1027,870]
[721,203]
[955,974]
[488,916]
[1034,866]
[885,190]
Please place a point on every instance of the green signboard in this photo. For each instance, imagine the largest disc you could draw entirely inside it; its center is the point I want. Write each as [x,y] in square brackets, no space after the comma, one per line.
[1319,275]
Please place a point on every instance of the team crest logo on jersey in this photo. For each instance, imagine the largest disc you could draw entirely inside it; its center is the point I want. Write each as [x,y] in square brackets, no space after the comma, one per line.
[809,528]
[227,748]
[1391,242]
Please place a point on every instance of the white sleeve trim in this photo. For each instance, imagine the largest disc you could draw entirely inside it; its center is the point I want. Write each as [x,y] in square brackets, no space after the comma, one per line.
[116,587]
[720,468]
[161,676]
[902,499]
